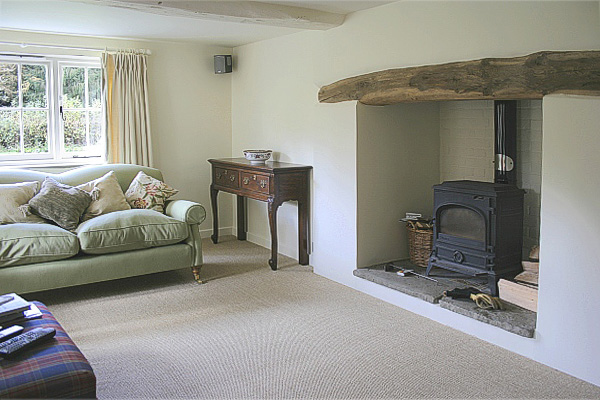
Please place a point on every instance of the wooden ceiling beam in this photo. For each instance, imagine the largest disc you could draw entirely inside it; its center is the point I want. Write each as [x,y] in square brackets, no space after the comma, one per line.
[527,77]
[250,12]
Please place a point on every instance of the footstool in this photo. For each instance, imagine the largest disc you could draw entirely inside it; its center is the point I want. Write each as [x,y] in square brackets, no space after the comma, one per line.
[54,369]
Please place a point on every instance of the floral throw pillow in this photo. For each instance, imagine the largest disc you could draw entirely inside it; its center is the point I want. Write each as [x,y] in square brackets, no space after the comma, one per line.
[147,192]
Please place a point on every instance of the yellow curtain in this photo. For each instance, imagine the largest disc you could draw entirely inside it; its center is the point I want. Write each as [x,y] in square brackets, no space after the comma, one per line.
[125,84]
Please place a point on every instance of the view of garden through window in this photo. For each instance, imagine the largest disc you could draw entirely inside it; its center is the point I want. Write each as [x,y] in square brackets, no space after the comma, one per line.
[82,108]
[23,104]
[40,118]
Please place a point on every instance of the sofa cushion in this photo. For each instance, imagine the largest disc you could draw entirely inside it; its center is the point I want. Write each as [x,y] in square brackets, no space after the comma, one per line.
[147,192]
[25,243]
[107,196]
[60,203]
[13,200]
[129,230]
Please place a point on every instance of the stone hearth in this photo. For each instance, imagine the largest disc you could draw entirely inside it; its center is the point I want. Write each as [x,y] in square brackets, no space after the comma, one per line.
[513,319]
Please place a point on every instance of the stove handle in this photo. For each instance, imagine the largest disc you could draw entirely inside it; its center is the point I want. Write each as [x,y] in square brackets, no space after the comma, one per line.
[459,257]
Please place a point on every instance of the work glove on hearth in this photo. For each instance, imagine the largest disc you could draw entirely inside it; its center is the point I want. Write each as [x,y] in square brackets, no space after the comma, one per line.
[461,293]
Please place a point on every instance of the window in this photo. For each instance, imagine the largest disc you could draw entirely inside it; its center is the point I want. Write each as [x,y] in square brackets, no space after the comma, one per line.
[50,110]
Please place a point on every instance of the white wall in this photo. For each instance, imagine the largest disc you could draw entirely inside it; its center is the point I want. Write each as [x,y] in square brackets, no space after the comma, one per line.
[274,94]
[275,106]
[570,233]
[190,108]
[397,164]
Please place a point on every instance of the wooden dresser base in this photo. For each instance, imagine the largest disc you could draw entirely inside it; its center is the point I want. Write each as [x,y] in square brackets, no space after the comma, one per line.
[273,182]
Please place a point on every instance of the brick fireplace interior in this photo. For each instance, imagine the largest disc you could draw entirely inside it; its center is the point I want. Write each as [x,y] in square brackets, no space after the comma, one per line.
[404,149]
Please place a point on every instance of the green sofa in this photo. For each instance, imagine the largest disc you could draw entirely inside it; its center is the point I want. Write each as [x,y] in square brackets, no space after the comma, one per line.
[25,267]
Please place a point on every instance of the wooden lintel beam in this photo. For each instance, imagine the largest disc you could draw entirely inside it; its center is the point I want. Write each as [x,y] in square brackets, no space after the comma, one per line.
[251,12]
[527,77]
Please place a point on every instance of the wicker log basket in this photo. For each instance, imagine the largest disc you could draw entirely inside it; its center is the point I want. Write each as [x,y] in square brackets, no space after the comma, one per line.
[420,241]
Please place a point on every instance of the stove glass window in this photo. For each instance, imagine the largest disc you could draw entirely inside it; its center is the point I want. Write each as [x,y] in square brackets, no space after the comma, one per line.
[462,222]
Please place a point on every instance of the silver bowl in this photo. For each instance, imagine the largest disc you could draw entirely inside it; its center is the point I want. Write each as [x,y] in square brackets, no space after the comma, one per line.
[257,156]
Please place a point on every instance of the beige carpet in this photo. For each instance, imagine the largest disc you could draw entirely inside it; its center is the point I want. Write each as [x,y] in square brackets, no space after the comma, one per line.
[254,333]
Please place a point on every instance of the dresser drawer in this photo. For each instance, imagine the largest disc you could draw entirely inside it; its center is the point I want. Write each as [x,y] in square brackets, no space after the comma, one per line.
[255,182]
[226,177]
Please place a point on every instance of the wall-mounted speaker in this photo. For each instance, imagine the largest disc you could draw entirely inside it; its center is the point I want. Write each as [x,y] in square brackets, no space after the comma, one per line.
[223,64]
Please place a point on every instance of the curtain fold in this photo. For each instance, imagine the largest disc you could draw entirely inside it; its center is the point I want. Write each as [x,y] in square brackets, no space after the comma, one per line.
[125,85]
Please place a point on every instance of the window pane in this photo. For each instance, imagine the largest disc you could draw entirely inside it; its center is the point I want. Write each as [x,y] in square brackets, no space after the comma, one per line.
[94,82]
[74,131]
[73,87]
[9,85]
[10,132]
[34,85]
[95,128]
[35,131]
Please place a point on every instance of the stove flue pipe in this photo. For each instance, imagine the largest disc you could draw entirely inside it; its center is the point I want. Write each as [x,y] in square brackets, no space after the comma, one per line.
[505,147]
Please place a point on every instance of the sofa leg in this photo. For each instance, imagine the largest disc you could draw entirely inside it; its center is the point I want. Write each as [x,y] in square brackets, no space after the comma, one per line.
[196,272]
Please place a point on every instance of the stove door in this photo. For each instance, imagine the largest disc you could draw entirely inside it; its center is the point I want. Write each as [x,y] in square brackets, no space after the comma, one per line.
[462,225]
[461,237]
[461,222]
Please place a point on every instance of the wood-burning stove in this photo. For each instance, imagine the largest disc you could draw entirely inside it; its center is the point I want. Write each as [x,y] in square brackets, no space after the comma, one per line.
[478,229]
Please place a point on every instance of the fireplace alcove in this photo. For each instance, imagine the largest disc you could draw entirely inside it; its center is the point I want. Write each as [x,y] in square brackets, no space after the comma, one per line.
[405,149]
[568,231]
[414,141]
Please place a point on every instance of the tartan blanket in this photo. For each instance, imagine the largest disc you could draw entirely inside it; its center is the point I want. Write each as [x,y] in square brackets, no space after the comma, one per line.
[54,369]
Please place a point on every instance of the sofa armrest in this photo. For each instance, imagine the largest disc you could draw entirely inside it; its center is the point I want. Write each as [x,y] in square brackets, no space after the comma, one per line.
[186,211]
[193,214]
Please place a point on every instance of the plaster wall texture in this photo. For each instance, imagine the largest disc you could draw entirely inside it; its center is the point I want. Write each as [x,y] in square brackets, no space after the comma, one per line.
[569,235]
[190,108]
[277,108]
[397,164]
[274,104]
[529,161]
[467,140]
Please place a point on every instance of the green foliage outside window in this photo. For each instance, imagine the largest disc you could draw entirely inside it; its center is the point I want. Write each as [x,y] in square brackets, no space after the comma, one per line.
[33,111]
[35,122]
[9,131]
[75,118]
[35,131]
[9,85]
[33,85]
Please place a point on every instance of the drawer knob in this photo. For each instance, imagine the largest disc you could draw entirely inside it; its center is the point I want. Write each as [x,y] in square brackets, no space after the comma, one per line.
[232,178]
[263,184]
[218,175]
[246,180]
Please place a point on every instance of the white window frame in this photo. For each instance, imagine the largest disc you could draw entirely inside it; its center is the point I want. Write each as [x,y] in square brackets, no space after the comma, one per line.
[56,153]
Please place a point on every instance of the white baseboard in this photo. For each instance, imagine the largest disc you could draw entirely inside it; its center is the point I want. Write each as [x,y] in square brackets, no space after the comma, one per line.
[266,242]
[205,233]
[256,239]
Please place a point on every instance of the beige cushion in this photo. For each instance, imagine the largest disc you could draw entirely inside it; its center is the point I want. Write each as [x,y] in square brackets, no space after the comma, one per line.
[129,230]
[107,196]
[33,243]
[149,193]
[13,196]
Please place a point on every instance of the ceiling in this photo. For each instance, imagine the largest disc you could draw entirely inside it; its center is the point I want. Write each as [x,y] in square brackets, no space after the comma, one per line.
[334,6]
[82,17]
